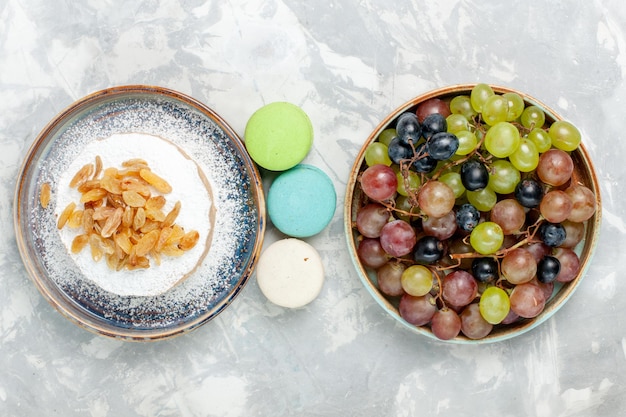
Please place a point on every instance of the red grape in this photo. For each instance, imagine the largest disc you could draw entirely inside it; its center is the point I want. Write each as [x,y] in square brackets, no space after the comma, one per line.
[397,238]
[417,310]
[519,266]
[556,206]
[509,214]
[527,300]
[555,167]
[436,199]
[379,182]
[440,227]
[574,233]
[432,106]
[473,325]
[570,264]
[583,203]
[389,278]
[445,324]
[371,253]
[538,250]
[459,288]
[510,318]
[371,219]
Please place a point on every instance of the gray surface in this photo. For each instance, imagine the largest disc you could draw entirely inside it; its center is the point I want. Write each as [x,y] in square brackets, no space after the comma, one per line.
[348,64]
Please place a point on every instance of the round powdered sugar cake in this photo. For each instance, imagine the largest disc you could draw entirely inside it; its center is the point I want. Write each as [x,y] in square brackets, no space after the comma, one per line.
[190,187]
[290,273]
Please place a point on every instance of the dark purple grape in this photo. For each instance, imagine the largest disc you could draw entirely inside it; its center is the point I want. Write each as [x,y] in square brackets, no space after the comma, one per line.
[529,193]
[548,269]
[442,145]
[467,217]
[408,128]
[425,163]
[552,234]
[485,269]
[398,151]
[474,175]
[433,123]
[427,250]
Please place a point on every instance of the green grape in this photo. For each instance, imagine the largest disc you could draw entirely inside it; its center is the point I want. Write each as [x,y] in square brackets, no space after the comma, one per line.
[526,157]
[495,109]
[541,139]
[564,135]
[386,136]
[462,105]
[494,305]
[516,106]
[417,280]
[502,139]
[503,177]
[376,153]
[483,199]
[486,238]
[403,204]
[453,180]
[456,123]
[412,180]
[479,95]
[467,142]
[532,116]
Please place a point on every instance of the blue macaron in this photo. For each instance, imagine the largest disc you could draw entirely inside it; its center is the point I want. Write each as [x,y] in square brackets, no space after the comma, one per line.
[301,201]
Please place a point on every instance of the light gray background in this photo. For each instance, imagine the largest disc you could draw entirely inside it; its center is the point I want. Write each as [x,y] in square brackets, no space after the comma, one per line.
[347,63]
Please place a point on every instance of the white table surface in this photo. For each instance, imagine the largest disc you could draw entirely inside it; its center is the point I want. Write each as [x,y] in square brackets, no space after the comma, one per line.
[347,63]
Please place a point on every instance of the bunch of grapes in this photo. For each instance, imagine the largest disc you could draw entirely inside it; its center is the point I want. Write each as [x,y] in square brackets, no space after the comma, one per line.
[471,211]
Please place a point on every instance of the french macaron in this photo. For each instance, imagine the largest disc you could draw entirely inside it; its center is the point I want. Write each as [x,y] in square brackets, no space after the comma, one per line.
[278,136]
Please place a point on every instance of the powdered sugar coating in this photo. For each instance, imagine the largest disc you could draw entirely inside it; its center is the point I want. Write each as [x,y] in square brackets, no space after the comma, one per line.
[236,231]
[186,179]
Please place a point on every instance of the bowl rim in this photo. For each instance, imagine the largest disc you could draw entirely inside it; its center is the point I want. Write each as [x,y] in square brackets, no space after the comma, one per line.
[50,291]
[591,238]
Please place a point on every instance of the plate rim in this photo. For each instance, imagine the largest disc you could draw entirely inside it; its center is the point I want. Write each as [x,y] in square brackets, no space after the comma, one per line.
[48,291]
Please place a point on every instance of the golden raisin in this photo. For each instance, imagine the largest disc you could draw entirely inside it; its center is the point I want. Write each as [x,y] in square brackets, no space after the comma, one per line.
[76,219]
[189,240]
[65,214]
[79,242]
[123,241]
[93,195]
[98,168]
[146,243]
[155,202]
[88,220]
[111,184]
[112,223]
[133,199]
[164,234]
[172,215]
[44,194]
[140,218]
[154,180]
[82,175]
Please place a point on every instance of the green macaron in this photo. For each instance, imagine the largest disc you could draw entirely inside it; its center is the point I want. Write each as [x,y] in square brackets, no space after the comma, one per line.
[278,136]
